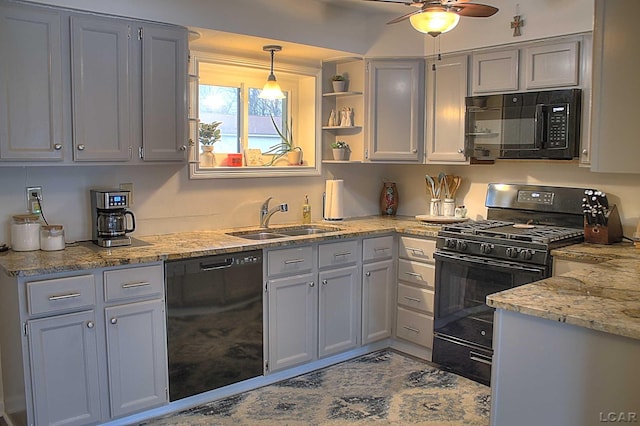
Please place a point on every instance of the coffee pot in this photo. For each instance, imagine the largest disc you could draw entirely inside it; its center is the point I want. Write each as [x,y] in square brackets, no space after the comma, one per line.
[109,217]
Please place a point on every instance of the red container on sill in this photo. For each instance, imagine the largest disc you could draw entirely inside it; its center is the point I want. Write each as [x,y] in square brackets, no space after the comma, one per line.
[234,160]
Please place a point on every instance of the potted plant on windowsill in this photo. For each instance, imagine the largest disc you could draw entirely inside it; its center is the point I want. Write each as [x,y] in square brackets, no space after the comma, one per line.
[285,147]
[208,135]
[339,83]
[340,150]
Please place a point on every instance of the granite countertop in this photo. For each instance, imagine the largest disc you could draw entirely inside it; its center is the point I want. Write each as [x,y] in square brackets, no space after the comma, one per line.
[152,248]
[603,295]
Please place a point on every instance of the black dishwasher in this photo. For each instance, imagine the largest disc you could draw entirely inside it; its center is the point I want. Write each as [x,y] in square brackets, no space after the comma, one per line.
[214,321]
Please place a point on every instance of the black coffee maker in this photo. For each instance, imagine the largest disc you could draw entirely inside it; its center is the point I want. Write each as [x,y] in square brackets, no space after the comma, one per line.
[109,217]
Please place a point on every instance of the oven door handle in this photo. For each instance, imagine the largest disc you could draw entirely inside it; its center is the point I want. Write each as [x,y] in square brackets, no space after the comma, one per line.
[461,258]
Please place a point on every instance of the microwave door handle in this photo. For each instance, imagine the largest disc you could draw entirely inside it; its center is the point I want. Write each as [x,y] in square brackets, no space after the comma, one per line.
[539,138]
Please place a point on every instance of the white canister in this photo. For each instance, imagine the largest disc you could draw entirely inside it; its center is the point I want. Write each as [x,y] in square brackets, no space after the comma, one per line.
[25,232]
[51,237]
[434,207]
[448,207]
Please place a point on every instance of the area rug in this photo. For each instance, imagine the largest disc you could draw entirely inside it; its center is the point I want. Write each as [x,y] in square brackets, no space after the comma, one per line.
[382,388]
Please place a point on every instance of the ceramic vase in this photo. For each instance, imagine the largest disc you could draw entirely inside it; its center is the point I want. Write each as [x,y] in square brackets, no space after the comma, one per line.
[339,86]
[294,157]
[389,199]
[207,158]
[340,154]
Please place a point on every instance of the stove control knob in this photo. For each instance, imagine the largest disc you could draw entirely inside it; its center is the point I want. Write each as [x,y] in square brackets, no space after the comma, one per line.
[512,252]
[526,254]
[450,243]
[461,245]
[486,248]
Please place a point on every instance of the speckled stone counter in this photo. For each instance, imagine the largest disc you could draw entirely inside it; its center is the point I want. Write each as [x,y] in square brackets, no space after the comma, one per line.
[601,296]
[86,255]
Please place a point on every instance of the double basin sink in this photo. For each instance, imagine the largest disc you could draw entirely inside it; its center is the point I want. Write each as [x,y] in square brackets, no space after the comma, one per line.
[294,231]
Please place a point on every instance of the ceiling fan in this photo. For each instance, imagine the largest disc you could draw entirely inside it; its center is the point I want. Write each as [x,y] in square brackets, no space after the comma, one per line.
[435,17]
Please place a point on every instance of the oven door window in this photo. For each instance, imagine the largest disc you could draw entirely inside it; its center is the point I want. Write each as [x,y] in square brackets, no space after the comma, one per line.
[462,286]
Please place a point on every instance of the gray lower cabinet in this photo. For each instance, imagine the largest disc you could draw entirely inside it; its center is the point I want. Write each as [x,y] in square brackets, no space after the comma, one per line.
[377,288]
[93,345]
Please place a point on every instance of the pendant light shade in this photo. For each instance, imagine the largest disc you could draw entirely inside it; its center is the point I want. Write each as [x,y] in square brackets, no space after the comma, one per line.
[434,21]
[271,89]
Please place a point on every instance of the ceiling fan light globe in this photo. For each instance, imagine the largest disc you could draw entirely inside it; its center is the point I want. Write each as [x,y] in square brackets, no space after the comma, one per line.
[271,89]
[434,22]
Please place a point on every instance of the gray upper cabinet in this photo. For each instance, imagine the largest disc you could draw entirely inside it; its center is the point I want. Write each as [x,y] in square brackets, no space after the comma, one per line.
[495,71]
[100,72]
[164,95]
[446,91]
[552,65]
[31,84]
[395,110]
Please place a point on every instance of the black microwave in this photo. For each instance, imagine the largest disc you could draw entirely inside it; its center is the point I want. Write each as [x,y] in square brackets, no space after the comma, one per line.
[530,125]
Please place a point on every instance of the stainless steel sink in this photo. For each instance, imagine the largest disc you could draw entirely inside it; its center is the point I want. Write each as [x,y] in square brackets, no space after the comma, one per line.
[293,231]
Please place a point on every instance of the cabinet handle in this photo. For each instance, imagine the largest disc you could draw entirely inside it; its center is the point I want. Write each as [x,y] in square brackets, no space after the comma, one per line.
[89,324]
[368,274]
[460,151]
[64,296]
[138,284]
[416,250]
[585,152]
[57,146]
[324,282]
[292,261]
[415,330]
[344,253]
[413,299]
[414,150]
[376,249]
[114,320]
[414,274]
[183,147]
[81,147]
[477,357]
[312,284]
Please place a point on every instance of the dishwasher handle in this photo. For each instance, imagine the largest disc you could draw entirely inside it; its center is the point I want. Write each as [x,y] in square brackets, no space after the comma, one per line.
[227,263]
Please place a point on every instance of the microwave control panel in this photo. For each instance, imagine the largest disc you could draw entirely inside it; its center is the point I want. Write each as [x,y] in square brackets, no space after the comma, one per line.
[558,126]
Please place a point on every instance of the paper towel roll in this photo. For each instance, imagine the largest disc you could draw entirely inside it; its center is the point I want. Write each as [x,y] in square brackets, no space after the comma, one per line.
[333,205]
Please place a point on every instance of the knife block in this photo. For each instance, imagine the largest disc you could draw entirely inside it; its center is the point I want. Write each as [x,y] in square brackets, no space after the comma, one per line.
[605,234]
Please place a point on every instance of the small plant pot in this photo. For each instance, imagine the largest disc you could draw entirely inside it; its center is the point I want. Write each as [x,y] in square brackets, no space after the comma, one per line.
[294,158]
[339,86]
[340,154]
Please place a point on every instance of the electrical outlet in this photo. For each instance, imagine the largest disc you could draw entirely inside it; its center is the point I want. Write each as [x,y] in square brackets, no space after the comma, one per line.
[34,198]
[128,187]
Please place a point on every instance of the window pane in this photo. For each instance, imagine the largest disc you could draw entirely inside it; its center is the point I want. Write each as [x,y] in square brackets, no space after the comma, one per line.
[262,134]
[219,103]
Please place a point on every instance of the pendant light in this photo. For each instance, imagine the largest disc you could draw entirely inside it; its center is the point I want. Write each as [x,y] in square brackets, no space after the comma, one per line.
[434,20]
[271,89]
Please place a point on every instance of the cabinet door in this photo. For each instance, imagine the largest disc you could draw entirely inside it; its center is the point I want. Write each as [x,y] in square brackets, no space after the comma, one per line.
[293,312]
[395,105]
[31,89]
[339,310]
[137,356]
[552,65]
[100,73]
[495,71]
[64,369]
[164,93]
[446,90]
[377,301]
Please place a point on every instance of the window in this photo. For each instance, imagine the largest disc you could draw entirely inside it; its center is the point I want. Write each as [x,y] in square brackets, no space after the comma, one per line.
[226,90]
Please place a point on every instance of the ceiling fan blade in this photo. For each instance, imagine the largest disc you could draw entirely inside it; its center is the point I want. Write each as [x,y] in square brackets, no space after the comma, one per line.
[403,17]
[474,10]
[404,3]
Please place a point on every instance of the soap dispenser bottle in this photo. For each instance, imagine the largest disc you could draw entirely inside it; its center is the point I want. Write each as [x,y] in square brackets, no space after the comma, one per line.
[306,210]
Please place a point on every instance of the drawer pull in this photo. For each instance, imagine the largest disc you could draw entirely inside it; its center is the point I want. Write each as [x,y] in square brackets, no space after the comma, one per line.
[415,274]
[293,261]
[413,299]
[64,296]
[415,330]
[90,324]
[416,250]
[478,357]
[344,253]
[138,284]
[376,249]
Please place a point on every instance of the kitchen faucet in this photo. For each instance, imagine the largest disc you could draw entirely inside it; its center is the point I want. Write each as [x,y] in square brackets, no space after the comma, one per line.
[265,213]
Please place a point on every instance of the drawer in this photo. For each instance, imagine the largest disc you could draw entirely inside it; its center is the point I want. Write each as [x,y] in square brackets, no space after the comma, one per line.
[416,298]
[416,249]
[417,273]
[61,294]
[415,327]
[290,261]
[377,248]
[134,283]
[342,253]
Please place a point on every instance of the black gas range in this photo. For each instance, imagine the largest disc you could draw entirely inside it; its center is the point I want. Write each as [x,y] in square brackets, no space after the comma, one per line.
[476,258]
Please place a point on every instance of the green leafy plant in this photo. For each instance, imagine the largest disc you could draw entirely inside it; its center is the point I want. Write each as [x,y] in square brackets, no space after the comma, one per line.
[209,133]
[338,77]
[286,142]
[340,145]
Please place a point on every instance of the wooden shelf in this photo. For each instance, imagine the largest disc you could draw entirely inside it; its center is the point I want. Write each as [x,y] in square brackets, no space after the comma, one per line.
[341,127]
[339,94]
[341,161]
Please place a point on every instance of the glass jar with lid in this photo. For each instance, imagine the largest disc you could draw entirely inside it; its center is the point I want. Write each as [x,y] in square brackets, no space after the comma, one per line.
[51,237]
[25,232]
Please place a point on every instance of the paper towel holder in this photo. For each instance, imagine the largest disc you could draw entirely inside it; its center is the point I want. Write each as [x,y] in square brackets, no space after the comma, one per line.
[324,202]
